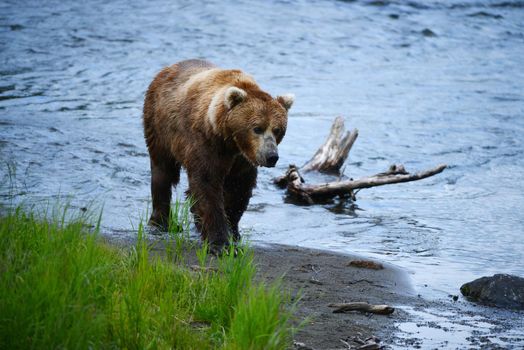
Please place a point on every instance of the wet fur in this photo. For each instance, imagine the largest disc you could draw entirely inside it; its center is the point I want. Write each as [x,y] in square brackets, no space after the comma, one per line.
[187,123]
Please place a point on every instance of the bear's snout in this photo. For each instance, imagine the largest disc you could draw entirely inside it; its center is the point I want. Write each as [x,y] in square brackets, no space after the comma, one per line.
[271,159]
[268,153]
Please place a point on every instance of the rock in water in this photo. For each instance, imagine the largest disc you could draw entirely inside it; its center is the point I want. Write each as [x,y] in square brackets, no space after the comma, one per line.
[499,290]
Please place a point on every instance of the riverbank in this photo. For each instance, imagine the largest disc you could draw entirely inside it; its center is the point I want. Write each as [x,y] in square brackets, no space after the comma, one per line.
[63,283]
[320,277]
[323,278]
[315,279]
[62,286]
[116,282]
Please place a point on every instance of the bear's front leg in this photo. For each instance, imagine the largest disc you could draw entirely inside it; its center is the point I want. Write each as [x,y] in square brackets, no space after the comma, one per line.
[238,189]
[206,187]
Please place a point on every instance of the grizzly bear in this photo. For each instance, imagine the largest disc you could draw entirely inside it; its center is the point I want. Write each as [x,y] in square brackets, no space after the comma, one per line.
[219,125]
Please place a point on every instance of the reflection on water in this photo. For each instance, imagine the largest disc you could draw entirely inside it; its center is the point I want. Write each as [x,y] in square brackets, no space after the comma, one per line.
[425,82]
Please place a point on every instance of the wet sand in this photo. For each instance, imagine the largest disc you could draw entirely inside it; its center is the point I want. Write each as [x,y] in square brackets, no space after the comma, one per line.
[321,278]
[317,278]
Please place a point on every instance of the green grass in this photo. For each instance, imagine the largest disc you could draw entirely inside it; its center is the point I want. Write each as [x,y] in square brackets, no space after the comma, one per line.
[63,287]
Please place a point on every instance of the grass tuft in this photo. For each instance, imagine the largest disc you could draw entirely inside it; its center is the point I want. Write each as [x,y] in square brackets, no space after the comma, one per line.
[63,287]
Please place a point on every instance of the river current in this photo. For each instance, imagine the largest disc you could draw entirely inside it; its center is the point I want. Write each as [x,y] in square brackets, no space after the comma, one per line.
[425,82]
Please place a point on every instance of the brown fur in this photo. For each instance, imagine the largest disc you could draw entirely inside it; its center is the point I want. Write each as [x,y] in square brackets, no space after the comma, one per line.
[193,118]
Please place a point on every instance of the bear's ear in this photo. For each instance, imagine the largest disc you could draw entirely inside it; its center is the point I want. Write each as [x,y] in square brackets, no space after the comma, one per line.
[234,96]
[286,100]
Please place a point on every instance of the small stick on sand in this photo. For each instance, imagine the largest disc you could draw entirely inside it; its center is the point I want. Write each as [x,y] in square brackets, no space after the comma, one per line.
[362,307]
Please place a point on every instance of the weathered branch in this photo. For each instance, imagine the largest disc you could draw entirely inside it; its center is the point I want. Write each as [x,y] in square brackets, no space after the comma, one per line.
[342,187]
[333,153]
[309,194]
[329,159]
[362,307]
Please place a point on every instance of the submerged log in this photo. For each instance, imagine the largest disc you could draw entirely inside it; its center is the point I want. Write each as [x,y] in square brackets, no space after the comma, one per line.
[329,159]
[363,307]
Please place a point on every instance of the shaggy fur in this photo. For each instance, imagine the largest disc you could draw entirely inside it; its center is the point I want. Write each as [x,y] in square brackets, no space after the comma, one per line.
[219,125]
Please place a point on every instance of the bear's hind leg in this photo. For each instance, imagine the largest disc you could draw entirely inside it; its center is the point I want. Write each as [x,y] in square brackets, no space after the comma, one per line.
[238,189]
[161,181]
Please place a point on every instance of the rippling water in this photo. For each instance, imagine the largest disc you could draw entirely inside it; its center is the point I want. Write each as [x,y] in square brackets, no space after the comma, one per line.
[425,82]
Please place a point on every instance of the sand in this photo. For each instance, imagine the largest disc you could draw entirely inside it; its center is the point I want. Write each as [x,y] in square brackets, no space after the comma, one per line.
[317,278]
[322,278]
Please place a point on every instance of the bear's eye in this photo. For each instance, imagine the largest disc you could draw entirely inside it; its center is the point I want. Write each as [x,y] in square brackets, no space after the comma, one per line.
[258,130]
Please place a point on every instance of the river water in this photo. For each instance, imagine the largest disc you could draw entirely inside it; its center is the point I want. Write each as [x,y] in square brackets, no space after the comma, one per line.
[425,82]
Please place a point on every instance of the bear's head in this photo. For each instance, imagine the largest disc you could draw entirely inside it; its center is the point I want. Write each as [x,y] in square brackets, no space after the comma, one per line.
[256,122]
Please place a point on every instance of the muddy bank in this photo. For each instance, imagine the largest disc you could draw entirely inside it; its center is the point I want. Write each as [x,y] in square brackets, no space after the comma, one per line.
[323,278]
[318,278]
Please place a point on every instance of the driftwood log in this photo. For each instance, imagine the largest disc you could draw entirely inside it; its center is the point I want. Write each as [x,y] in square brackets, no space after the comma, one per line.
[362,307]
[333,153]
[329,159]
